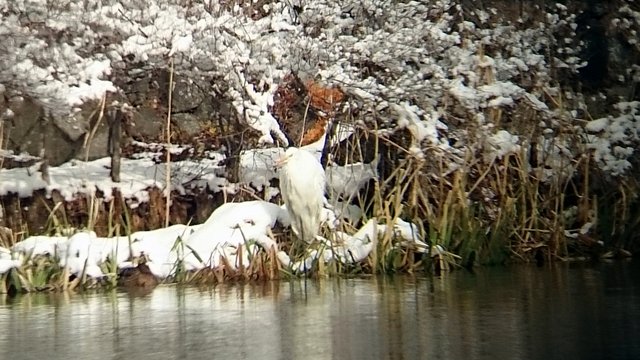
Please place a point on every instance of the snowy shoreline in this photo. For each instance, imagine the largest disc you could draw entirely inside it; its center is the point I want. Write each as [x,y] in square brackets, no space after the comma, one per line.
[490,139]
[210,245]
[231,226]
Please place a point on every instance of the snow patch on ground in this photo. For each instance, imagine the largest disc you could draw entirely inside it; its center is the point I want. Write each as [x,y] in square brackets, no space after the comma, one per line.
[231,226]
[137,176]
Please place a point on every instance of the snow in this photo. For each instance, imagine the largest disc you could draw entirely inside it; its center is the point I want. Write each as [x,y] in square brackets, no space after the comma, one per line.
[424,58]
[351,213]
[464,94]
[357,247]
[501,144]
[617,133]
[405,65]
[6,261]
[232,225]
[345,181]
[257,166]
[8,264]
[409,117]
[501,101]
[137,176]
[502,89]
[180,44]
[229,227]
[43,245]
[597,125]
[256,112]
[535,103]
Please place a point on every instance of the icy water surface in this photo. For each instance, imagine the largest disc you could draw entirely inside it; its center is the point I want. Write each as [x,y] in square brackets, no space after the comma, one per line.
[577,312]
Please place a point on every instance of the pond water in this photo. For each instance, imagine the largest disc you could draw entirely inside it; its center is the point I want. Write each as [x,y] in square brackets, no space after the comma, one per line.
[561,312]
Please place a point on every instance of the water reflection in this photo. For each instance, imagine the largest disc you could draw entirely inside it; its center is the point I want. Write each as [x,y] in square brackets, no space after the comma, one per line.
[526,312]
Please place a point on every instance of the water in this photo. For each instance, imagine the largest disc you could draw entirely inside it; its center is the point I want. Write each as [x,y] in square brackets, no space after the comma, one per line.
[579,312]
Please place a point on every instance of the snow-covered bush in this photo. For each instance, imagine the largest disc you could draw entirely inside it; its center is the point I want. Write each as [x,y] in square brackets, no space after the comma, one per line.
[613,139]
[448,64]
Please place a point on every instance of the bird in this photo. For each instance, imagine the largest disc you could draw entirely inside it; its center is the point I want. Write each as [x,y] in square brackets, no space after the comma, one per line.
[139,277]
[302,185]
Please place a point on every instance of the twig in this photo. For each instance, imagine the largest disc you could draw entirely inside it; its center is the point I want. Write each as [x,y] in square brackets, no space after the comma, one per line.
[94,129]
[114,145]
[304,122]
[133,23]
[168,136]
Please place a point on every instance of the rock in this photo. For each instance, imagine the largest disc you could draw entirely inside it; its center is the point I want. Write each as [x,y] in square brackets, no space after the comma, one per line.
[146,124]
[188,124]
[74,127]
[97,147]
[34,132]
[90,131]
[187,96]
[26,116]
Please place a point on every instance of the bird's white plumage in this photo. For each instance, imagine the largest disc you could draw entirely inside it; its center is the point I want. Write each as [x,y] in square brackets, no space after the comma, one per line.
[302,185]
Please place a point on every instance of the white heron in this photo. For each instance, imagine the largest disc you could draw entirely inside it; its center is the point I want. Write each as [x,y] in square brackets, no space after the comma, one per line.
[302,184]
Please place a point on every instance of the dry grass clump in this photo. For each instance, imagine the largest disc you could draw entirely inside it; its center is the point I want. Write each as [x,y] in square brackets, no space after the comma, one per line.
[264,266]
